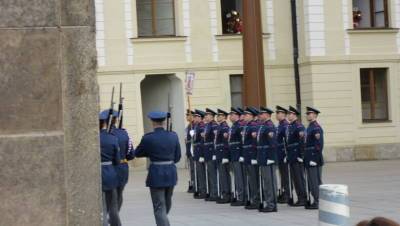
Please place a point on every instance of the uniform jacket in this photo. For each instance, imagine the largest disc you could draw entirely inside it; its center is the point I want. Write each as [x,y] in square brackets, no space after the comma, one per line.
[221,144]
[314,144]
[160,146]
[295,139]
[281,139]
[249,146]
[235,141]
[266,143]
[188,139]
[210,131]
[109,154]
[126,153]
[198,141]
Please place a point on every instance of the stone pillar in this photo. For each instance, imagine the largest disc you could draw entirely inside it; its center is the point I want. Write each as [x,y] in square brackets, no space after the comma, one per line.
[253,55]
[49,151]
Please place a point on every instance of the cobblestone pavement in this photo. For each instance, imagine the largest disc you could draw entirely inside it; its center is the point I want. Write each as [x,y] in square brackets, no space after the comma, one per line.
[374,191]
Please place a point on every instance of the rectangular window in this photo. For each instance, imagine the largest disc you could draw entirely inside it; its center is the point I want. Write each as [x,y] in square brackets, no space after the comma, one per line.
[236,84]
[370,14]
[155,18]
[374,97]
[231,12]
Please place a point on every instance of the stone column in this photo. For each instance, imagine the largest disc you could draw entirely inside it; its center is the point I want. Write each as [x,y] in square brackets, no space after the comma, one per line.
[253,55]
[49,151]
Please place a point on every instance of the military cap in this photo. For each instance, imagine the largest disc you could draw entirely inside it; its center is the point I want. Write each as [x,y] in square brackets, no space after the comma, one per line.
[103,115]
[211,112]
[240,110]
[281,109]
[265,110]
[200,113]
[293,110]
[235,111]
[251,110]
[222,112]
[157,115]
[312,110]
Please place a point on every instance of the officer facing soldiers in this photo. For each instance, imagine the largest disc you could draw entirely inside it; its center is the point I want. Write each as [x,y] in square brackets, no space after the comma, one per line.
[313,158]
[210,157]
[235,149]
[198,156]
[295,144]
[249,148]
[189,131]
[126,154]
[110,158]
[266,158]
[281,151]
[222,152]
[163,149]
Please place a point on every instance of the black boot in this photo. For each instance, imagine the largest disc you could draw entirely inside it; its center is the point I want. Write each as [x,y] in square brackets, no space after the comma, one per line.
[268,210]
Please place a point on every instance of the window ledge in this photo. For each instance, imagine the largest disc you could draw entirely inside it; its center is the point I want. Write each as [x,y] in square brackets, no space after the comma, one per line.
[159,39]
[377,124]
[237,36]
[372,30]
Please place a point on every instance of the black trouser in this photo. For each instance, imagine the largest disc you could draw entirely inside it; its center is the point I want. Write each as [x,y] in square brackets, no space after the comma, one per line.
[201,178]
[240,182]
[162,202]
[252,189]
[191,171]
[297,175]
[268,177]
[120,191]
[110,208]
[314,181]
[224,180]
[212,178]
[284,177]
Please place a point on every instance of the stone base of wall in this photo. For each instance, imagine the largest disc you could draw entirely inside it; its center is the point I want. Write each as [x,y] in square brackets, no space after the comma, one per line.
[362,152]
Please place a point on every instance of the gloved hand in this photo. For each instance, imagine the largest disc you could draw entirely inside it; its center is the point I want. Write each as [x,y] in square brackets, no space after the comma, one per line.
[313,163]
[224,161]
[254,162]
[214,157]
[241,159]
[254,134]
[285,160]
[201,159]
[270,162]
[191,133]
[300,160]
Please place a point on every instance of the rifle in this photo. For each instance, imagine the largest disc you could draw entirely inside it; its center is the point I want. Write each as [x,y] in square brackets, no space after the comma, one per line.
[169,120]
[120,107]
[110,112]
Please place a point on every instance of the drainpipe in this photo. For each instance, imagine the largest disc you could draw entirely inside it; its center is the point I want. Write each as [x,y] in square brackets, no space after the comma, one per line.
[295,54]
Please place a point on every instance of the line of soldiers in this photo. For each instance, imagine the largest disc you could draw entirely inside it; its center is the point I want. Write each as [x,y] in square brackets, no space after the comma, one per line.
[238,164]
[116,150]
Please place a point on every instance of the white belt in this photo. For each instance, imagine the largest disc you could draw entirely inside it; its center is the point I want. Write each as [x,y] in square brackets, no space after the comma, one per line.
[106,163]
[162,163]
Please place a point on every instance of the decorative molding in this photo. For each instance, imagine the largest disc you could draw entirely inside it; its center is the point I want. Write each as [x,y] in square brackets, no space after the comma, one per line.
[214,29]
[100,34]
[346,23]
[159,39]
[187,30]
[270,29]
[314,23]
[128,30]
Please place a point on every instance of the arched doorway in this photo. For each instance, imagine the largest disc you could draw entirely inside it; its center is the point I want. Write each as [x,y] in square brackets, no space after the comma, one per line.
[164,92]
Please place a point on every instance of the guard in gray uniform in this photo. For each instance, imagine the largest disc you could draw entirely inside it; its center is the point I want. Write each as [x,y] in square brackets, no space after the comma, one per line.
[235,149]
[210,157]
[222,152]
[110,159]
[267,159]
[295,150]
[163,149]
[313,158]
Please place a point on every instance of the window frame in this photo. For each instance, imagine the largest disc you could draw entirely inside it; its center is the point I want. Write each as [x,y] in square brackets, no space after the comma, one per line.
[242,88]
[154,22]
[222,19]
[372,95]
[372,14]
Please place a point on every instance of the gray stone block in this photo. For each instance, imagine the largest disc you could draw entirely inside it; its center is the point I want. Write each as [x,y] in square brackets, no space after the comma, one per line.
[30,81]
[32,13]
[77,13]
